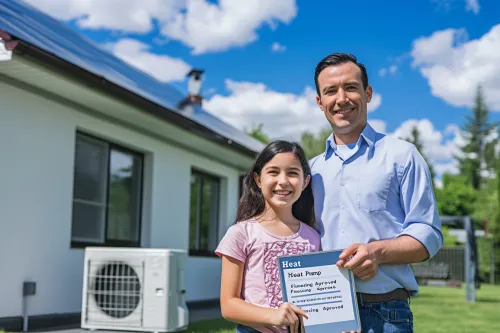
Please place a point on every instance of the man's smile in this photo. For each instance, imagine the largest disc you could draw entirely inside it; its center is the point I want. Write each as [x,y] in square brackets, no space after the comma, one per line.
[344,111]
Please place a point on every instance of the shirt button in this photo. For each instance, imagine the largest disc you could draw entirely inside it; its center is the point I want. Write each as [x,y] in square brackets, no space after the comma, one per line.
[342,231]
[342,184]
[341,206]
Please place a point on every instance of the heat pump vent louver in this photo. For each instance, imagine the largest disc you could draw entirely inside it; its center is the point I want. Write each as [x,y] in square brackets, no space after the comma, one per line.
[116,289]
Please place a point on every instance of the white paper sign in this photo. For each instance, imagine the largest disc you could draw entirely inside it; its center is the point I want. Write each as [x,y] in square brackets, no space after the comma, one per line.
[324,291]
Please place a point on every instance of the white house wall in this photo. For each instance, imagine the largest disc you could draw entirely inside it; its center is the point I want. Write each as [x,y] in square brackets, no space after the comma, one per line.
[37,150]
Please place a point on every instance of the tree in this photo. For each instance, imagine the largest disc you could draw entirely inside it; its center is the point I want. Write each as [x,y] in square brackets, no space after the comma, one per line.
[258,133]
[486,207]
[457,197]
[314,144]
[415,139]
[478,152]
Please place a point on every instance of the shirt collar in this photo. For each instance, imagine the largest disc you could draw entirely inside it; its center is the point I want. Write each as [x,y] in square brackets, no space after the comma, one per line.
[368,135]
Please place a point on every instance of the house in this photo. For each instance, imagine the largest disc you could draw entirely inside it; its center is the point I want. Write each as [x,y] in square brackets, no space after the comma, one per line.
[95,152]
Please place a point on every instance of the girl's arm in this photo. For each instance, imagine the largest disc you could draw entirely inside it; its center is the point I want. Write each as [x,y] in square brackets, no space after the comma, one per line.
[236,310]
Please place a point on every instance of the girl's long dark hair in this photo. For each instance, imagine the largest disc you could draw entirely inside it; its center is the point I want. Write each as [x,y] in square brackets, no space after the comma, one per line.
[252,202]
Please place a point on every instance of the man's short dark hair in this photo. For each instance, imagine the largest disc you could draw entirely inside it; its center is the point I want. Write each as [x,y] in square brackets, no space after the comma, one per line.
[336,59]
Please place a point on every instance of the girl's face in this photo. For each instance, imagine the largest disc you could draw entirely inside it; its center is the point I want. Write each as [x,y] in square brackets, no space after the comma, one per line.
[282,180]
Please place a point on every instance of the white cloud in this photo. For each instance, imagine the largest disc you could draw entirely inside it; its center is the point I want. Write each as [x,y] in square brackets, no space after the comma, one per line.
[277,47]
[208,27]
[200,24]
[161,67]
[209,92]
[390,70]
[284,115]
[123,15]
[454,66]
[378,125]
[443,4]
[437,146]
[472,6]
[375,102]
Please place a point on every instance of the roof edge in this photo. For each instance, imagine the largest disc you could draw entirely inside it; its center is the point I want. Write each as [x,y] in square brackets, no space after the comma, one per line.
[111,89]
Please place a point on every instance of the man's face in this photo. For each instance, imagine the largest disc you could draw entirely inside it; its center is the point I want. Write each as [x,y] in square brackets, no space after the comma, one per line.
[343,98]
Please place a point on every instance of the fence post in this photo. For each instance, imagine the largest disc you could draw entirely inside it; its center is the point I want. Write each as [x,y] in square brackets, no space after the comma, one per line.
[492,267]
[470,265]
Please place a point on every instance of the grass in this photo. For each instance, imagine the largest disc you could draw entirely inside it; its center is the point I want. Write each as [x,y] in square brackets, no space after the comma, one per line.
[438,310]
[212,326]
[435,310]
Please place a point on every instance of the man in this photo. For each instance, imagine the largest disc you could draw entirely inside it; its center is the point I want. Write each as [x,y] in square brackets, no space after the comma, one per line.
[373,198]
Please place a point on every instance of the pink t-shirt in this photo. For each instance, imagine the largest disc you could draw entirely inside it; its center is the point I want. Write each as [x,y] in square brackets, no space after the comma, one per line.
[259,249]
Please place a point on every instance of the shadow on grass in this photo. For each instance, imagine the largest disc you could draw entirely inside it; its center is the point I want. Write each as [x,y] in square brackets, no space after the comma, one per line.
[210,326]
[487,300]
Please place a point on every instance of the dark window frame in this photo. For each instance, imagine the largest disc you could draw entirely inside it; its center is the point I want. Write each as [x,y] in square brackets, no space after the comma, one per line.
[241,179]
[107,241]
[196,252]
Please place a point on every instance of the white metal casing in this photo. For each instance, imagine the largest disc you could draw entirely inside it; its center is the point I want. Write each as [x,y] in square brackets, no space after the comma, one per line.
[134,289]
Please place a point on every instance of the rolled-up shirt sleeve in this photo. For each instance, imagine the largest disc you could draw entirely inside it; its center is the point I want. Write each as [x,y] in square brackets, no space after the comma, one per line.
[419,204]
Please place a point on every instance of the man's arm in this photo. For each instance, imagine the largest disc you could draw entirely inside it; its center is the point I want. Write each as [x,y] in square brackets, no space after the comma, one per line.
[402,250]
[420,236]
[419,204]
[367,257]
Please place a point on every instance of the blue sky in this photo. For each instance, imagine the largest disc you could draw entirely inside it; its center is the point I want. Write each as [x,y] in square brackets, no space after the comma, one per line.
[424,58]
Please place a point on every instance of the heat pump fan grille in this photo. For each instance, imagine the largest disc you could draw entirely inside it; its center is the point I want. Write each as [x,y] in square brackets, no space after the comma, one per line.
[116,288]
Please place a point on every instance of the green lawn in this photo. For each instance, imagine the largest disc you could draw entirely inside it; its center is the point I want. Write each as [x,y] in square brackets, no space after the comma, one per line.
[212,326]
[439,310]
[435,310]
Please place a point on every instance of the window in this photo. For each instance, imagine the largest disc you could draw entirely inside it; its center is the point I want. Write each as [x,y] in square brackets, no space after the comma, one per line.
[107,193]
[204,214]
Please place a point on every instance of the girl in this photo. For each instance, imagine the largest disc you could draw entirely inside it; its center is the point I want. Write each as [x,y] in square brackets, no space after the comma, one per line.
[275,218]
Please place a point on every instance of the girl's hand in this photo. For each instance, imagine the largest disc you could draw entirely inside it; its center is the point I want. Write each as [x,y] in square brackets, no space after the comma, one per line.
[288,315]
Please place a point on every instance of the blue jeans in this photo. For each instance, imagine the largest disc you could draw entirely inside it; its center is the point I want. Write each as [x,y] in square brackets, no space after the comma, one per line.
[245,329]
[386,317]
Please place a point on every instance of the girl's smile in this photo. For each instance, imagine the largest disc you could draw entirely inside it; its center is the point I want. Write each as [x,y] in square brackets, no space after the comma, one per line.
[282,193]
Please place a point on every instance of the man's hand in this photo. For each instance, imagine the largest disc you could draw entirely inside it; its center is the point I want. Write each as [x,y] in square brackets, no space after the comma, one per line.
[364,262]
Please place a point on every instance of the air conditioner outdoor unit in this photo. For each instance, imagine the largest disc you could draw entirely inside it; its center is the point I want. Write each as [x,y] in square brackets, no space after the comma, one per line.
[134,289]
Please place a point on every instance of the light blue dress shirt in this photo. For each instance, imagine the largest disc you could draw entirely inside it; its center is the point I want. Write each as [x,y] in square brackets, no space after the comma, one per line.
[379,188]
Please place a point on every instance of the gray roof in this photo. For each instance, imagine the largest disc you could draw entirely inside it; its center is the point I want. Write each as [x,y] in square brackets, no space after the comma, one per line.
[28,24]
